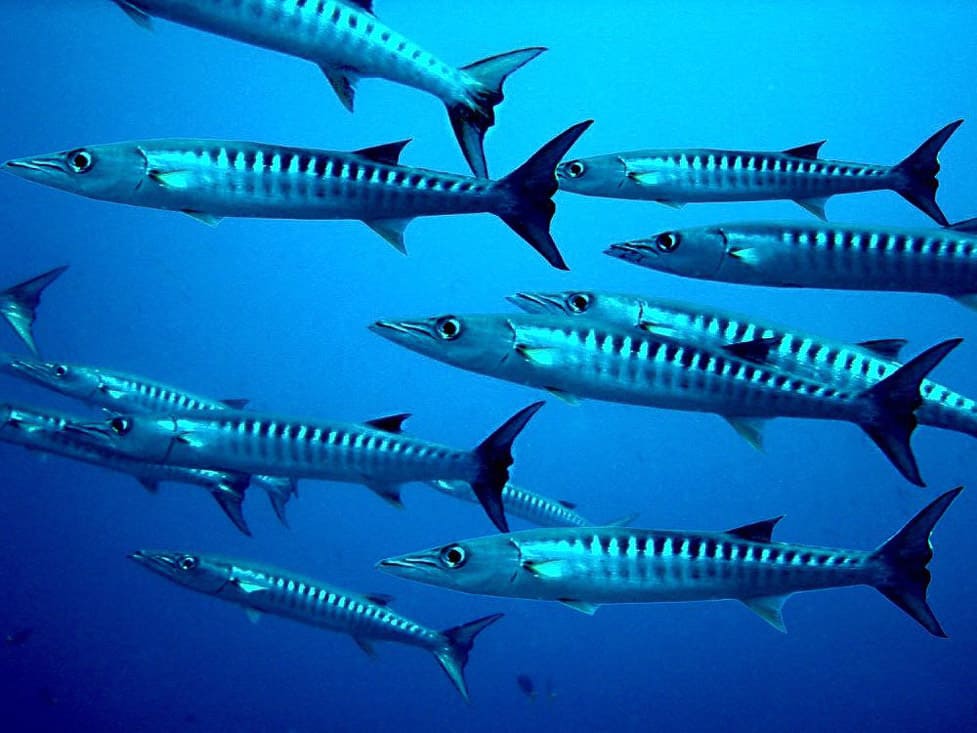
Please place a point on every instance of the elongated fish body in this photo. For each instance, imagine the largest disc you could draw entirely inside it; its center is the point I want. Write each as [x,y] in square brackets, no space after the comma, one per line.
[212,179]
[677,177]
[845,257]
[847,366]
[376,455]
[348,42]
[18,304]
[48,432]
[585,567]
[261,589]
[595,359]
[519,502]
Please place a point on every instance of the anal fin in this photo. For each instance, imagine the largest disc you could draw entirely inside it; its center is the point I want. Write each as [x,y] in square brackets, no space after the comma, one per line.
[769,608]
[967,300]
[815,206]
[390,493]
[139,17]
[582,606]
[204,218]
[392,230]
[253,614]
[343,83]
[366,646]
[749,429]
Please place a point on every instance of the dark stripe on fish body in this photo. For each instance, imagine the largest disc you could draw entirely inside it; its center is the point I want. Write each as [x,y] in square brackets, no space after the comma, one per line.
[789,556]
[694,544]
[659,545]
[773,554]
[711,548]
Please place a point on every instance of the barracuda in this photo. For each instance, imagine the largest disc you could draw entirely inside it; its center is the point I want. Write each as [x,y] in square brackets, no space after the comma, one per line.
[366,618]
[375,454]
[49,432]
[18,304]
[591,358]
[522,503]
[118,392]
[211,179]
[348,42]
[586,567]
[846,366]
[845,257]
[677,177]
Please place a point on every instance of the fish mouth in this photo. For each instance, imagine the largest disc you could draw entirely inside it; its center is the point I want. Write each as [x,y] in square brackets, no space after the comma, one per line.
[393,564]
[407,328]
[535,302]
[99,431]
[630,251]
[38,370]
[163,562]
[27,166]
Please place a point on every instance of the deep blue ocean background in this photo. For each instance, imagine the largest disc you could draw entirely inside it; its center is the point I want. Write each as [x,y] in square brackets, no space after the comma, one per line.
[276,311]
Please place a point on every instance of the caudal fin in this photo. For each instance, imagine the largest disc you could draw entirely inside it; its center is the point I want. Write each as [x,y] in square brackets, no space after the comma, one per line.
[903,560]
[895,400]
[453,656]
[471,120]
[529,206]
[18,304]
[494,455]
[918,174]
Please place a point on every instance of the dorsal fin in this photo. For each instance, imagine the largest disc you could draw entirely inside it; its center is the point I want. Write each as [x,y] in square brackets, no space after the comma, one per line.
[235,403]
[381,599]
[886,348]
[760,531]
[755,350]
[811,150]
[967,225]
[366,5]
[567,504]
[390,423]
[388,153]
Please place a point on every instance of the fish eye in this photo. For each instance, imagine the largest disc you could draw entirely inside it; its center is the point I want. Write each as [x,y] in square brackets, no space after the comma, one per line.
[60,370]
[80,161]
[579,302]
[120,425]
[448,327]
[188,562]
[667,242]
[454,556]
[576,169]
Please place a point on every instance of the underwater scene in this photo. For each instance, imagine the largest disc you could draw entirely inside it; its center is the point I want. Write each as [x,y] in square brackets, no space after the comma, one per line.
[538,358]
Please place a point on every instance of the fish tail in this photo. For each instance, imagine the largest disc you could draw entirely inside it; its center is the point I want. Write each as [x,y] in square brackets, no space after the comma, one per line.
[529,206]
[918,174]
[453,656]
[903,559]
[24,299]
[494,456]
[895,400]
[472,118]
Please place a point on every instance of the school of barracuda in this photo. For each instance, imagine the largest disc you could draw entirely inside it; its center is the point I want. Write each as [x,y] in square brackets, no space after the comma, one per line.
[574,344]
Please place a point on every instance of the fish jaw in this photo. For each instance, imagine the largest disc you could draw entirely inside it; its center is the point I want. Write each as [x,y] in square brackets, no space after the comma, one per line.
[192,571]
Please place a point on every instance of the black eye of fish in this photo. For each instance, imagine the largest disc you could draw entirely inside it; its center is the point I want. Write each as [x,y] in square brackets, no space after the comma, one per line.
[667,242]
[80,161]
[188,563]
[579,302]
[448,327]
[120,425]
[60,371]
[454,556]
[575,169]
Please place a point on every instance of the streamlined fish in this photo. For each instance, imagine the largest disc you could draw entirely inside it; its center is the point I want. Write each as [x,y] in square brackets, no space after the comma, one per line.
[375,454]
[592,358]
[211,179]
[18,304]
[848,366]
[519,502]
[840,256]
[366,618]
[47,431]
[677,177]
[585,567]
[348,41]
[118,392]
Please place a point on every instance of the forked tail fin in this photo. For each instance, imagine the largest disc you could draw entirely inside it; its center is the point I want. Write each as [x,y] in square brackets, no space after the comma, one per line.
[918,173]
[454,655]
[471,121]
[895,400]
[529,207]
[494,456]
[18,304]
[903,560]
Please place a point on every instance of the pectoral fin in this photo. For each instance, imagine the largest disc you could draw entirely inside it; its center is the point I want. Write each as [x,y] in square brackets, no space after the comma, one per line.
[543,355]
[343,83]
[543,568]
[747,255]
[171,179]
[769,608]
[583,606]
[249,587]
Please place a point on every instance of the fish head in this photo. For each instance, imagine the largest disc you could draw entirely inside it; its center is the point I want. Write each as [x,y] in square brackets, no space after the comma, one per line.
[477,343]
[486,565]
[601,175]
[109,172]
[611,307]
[141,437]
[698,252]
[74,381]
[198,572]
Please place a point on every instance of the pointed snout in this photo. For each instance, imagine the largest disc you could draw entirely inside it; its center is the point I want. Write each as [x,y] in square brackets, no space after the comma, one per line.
[536,302]
[401,331]
[633,251]
[34,168]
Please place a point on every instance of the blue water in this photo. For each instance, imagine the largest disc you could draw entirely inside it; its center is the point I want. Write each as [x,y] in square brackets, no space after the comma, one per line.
[276,312]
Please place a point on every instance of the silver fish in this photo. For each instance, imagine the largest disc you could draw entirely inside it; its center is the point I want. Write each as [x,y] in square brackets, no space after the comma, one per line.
[849,366]
[49,432]
[592,358]
[366,618]
[519,502]
[18,304]
[374,454]
[677,177]
[841,256]
[349,42]
[211,179]
[585,567]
